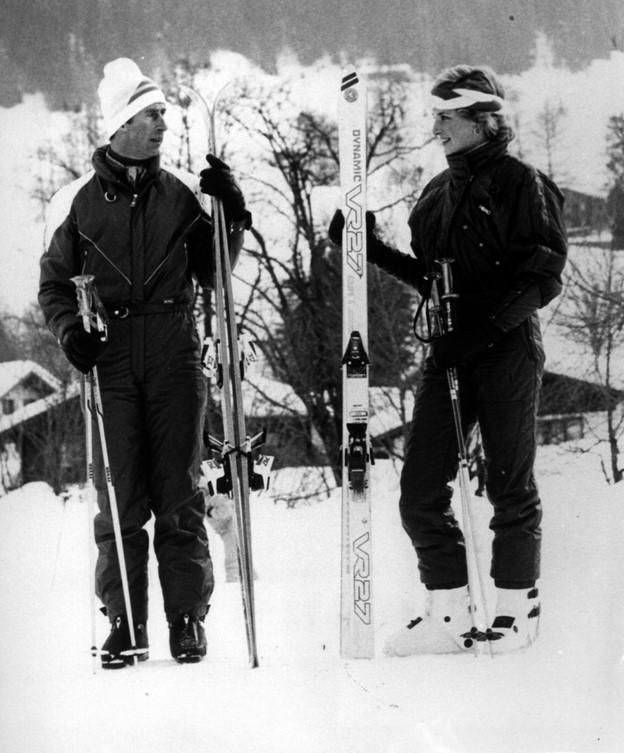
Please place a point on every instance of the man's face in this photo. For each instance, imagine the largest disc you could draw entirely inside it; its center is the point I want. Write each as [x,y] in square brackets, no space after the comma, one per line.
[455,133]
[141,137]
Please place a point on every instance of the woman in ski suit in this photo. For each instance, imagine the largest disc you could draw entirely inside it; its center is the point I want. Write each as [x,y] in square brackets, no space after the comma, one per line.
[140,231]
[500,222]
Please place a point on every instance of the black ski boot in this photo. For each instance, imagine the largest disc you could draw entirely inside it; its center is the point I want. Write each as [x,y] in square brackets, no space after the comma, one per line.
[117,651]
[187,639]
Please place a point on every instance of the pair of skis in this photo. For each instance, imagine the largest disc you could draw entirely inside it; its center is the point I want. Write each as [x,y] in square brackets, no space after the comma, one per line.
[236,452]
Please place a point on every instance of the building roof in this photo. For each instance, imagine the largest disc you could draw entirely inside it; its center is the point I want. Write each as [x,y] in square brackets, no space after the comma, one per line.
[562,394]
[14,372]
[268,397]
[37,407]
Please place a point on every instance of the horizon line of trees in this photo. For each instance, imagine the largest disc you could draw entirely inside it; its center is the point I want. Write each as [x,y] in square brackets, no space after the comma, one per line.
[82,35]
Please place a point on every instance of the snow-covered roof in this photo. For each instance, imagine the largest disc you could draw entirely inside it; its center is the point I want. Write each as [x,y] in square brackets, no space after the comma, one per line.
[268,397]
[38,406]
[14,372]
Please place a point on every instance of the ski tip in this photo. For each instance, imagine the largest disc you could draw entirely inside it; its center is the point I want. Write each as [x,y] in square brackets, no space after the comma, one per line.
[349,78]
[350,88]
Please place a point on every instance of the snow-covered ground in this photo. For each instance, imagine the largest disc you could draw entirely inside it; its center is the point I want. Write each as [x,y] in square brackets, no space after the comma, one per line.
[563,696]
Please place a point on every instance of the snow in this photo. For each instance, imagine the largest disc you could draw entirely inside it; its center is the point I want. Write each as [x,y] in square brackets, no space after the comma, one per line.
[563,696]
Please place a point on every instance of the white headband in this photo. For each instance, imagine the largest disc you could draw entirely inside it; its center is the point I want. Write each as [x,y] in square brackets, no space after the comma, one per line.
[469,98]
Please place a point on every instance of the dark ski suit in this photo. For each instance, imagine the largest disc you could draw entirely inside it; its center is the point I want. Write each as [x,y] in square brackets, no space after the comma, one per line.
[500,220]
[142,244]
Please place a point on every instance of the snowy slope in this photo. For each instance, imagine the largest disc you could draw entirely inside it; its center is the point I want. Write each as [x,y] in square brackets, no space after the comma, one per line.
[564,696]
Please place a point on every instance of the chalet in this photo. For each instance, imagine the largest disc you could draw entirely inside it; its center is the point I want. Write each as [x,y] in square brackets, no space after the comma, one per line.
[34,405]
[42,427]
[42,430]
[24,382]
[584,214]
[569,406]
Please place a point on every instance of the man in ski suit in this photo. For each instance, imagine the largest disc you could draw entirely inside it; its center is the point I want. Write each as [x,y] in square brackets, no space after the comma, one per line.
[140,231]
[500,222]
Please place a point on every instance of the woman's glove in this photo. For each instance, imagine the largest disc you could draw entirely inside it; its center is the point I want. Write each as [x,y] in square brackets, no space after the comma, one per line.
[336,227]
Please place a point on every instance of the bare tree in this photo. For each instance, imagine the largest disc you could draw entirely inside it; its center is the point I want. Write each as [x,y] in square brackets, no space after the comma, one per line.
[593,316]
[70,157]
[294,304]
[548,135]
[615,165]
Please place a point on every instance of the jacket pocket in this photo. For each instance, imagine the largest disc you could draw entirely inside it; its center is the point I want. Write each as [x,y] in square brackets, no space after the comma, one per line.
[532,336]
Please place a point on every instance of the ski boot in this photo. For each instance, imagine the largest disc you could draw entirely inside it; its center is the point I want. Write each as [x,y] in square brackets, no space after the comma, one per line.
[117,651]
[515,626]
[187,638]
[446,627]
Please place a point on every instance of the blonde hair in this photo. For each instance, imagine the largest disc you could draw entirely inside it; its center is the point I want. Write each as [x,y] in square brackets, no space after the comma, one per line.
[495,125]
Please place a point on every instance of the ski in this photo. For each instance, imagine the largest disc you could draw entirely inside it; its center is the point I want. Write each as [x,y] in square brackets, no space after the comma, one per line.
[235,451]
[356,612]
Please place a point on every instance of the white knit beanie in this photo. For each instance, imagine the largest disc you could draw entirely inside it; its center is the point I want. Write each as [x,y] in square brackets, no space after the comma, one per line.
[123,92]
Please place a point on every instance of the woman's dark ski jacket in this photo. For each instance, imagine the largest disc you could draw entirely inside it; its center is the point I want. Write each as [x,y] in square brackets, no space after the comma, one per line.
[500,220]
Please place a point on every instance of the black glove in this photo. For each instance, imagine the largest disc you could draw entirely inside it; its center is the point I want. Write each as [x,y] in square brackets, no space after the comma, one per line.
[82,348]
[457,347]
[336,227]
[217,180]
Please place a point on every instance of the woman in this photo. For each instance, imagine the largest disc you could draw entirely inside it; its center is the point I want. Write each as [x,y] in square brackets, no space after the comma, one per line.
[499,220]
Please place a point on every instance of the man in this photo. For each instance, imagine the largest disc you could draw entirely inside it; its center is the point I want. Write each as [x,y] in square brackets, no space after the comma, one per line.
[139,230]
[500,221]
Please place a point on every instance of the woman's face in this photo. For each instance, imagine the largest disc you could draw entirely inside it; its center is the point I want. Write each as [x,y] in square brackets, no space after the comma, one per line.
[455,133]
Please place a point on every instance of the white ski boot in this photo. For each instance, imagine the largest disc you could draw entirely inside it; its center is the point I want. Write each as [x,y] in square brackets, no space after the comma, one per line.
[445,628]
[516,623]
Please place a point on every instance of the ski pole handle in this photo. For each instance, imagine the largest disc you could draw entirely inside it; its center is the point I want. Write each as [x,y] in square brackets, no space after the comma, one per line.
[83,284]
[90,307]
[434,307]
[448,297]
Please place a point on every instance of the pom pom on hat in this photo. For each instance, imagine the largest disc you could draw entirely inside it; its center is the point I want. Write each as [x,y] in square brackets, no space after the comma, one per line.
[124,91]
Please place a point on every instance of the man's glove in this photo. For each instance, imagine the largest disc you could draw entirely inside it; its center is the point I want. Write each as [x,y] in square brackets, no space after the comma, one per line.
[217,180]
[457,347]
[82,348]
[336,227]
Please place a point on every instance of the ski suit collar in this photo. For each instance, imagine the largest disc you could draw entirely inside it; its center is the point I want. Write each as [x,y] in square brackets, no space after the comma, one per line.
[108,169]
[463,165]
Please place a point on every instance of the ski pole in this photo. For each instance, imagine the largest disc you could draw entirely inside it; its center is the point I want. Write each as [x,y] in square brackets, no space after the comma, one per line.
[87,408]
[93,317]
[446,304]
